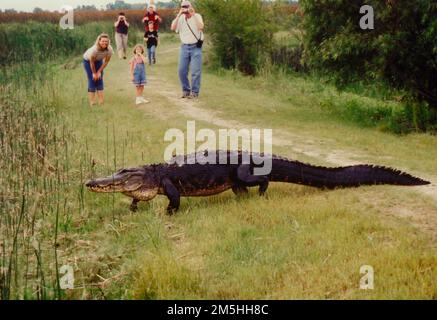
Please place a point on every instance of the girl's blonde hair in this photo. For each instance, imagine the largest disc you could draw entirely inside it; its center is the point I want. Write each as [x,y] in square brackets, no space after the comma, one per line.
[103,35]
[139,46]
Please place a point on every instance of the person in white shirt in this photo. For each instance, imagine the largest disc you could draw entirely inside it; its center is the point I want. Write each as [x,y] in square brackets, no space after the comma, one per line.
[95,60]
[189,25]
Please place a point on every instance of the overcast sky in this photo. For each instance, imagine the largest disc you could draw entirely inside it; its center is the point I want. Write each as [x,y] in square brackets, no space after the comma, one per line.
[28,5]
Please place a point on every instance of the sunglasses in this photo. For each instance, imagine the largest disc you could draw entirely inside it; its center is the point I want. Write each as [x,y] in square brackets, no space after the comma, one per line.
[185,7]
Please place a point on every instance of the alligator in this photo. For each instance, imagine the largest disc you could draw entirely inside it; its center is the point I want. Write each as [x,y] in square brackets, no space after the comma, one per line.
[186,176]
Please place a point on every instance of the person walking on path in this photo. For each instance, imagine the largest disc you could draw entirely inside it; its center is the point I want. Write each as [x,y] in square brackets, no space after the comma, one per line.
[138,72]
[189,25]
[121,35]
[95,60]
[152,40]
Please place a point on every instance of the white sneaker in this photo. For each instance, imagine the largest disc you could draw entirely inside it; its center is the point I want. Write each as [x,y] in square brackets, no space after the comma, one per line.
[144,100]
[138,101]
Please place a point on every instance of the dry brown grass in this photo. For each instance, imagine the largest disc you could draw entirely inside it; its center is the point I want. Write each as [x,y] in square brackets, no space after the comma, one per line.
[83,17]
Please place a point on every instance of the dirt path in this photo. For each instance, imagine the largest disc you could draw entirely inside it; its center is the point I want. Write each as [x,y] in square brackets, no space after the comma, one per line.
[163,90]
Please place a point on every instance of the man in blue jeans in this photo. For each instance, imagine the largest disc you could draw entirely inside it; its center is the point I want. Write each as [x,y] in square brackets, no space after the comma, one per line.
[189,25]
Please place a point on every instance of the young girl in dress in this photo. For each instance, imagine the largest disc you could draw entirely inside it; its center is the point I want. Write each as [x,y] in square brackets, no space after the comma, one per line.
[138,73]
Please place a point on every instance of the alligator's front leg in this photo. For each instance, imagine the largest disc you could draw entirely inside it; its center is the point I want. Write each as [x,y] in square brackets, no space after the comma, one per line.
[134,205]
[172,194]
[250,180]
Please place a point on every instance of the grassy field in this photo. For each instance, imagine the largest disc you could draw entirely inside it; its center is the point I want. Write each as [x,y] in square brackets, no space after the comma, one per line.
[84,17]
[296,243]
[35,42]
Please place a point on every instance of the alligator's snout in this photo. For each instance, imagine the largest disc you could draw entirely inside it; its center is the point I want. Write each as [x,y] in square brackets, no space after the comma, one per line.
[91,184]
[126,180]
[101,185]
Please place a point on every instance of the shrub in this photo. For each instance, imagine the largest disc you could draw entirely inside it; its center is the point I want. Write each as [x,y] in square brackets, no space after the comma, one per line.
[286,15]
[287,51]
[402,49]
[241,30]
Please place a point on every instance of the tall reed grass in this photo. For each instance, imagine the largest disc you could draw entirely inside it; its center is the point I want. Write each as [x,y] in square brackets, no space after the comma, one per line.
[34,42]
[85,17]
[39,202]
[30,183]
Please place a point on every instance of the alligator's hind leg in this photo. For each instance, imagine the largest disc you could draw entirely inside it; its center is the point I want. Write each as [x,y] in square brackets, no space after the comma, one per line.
[239,190]
[134,205]
[172,194]
[249,180]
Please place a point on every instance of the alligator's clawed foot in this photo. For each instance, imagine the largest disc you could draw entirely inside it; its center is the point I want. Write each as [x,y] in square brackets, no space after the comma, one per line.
[171,211]
[263,188]
[240,191]
[134,206]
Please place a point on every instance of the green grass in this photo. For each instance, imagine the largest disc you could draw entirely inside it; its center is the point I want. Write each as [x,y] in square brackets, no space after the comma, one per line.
[296,243]
[35,42]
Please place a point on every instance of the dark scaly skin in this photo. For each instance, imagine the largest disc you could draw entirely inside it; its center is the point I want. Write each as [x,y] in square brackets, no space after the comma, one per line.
[196,179]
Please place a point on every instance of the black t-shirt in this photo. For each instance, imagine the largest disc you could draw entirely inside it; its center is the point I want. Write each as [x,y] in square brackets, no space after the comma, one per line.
[152,38]
[122,28]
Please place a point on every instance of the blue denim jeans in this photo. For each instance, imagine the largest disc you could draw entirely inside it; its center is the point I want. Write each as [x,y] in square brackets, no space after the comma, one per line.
[93,86]
[190,57]
[140,75]
[151,53]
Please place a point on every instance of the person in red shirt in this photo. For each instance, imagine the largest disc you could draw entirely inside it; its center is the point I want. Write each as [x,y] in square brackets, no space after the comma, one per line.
[151,16]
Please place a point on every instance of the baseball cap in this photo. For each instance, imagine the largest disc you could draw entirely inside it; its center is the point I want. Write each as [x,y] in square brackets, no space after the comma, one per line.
[186,3]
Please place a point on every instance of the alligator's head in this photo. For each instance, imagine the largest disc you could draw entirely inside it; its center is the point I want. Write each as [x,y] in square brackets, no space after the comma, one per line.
[139,183]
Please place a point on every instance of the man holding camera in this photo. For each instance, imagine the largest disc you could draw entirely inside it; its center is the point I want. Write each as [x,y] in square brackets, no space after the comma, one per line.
[189,25]
[121,31]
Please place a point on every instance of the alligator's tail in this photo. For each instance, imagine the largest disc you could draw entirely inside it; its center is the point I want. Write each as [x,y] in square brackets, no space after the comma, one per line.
[343,177]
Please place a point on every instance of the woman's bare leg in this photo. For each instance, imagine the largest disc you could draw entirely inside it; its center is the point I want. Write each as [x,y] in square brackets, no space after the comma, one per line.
[101,97]
[92,98]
